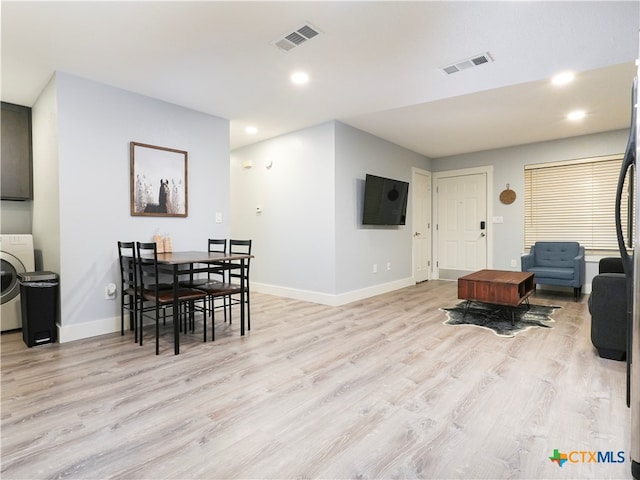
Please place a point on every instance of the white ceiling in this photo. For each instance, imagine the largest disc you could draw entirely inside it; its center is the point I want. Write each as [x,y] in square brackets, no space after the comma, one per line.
[375,65]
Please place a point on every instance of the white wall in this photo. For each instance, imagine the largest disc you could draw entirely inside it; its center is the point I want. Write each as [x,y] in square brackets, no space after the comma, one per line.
[46,185]
[294,236]
[308,241]
[95,124]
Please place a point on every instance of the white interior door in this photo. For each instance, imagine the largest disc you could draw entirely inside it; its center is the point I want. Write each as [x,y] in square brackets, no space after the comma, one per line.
[421,199]
[461,224]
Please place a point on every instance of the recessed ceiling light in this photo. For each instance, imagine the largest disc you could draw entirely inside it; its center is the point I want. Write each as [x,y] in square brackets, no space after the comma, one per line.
[300,78]
[563,78]
[251,130]
[576,115]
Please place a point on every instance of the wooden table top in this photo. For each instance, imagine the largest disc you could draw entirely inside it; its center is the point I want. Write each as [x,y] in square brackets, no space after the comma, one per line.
[497,276]
[186,257]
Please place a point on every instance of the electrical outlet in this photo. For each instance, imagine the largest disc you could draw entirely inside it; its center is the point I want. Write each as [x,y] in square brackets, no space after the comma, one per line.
[388,266]
[110,292]
[375,268]
[514,263]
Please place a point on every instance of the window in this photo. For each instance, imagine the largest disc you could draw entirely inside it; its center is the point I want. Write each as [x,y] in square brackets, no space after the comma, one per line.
[574,201]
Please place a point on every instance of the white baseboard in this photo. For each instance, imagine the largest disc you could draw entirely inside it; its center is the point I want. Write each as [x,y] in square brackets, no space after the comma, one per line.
[333,300]
[69,333]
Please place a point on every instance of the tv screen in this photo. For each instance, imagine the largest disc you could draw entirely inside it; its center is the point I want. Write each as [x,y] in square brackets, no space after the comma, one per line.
[385,201]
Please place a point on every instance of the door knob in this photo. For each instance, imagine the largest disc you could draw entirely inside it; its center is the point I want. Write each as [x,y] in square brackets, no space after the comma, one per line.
[417,234]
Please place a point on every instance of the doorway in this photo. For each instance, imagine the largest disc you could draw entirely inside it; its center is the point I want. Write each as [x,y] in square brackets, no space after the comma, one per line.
[463,232]
[422,236]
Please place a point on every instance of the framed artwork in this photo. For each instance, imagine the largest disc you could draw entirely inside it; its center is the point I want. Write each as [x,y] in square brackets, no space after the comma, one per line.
[158,181]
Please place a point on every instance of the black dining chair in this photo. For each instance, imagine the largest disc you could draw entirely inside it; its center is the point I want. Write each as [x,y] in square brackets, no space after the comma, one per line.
[152,291]
[128,286]
[231,285]
[214,245]
[215,273]
[242,247]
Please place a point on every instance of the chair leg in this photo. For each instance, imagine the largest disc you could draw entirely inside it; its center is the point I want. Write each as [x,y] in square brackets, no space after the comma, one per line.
[157,332]
[204,320]
[132,308]
[213,321]
[133,321]
[141,321]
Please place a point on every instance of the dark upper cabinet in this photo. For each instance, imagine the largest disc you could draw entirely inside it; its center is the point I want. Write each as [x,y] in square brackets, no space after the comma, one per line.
[16,162]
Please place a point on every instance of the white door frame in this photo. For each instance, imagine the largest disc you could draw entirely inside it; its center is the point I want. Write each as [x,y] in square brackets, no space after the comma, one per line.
[414,171]
[488,171]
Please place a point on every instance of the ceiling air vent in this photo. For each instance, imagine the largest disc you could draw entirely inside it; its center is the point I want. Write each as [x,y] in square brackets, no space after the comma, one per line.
[474,61]
[296,38]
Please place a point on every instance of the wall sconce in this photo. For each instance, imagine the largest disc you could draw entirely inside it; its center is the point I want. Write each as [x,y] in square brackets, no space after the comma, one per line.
[268,163]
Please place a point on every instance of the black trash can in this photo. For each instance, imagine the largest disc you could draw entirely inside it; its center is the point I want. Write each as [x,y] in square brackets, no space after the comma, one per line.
[39,302]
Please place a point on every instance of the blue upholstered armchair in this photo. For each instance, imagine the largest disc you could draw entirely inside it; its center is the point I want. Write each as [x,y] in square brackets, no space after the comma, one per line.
[556,263]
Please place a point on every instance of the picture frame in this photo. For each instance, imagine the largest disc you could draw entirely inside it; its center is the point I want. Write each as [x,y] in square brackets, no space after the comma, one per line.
[158,181]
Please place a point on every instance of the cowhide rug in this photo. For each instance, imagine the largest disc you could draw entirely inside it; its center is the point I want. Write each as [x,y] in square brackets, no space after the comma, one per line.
[497,318]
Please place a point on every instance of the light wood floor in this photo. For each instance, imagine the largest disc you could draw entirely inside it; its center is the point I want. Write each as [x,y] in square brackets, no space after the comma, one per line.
[376,389]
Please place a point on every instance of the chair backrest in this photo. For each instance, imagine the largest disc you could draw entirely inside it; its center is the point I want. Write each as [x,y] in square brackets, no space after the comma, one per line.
[556,254]
[610,265]
[241,247]
[127,260]
[218,245]
[147,266]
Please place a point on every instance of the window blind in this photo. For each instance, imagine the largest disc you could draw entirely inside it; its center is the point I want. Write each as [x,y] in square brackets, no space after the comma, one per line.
[574,201]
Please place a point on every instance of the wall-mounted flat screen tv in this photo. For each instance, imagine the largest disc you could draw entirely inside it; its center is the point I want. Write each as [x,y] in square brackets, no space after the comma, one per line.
[385,201]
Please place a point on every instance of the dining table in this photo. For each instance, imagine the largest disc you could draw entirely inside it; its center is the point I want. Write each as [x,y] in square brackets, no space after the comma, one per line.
[195,262]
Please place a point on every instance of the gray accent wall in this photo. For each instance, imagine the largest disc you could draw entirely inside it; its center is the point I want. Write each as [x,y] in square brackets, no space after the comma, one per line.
[359,247]
[81,206]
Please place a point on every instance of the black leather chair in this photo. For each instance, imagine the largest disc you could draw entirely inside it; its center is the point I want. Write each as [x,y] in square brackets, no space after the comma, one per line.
[608,308]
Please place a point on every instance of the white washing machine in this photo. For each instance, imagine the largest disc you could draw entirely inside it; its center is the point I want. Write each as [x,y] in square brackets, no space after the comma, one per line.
[16,254]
